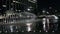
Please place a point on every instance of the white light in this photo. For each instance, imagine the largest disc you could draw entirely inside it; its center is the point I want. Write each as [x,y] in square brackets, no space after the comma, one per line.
[55,16]
[40,31]
[11,28]
[4,5]
[47,12]
[44,18]
[29,28]
[17,2]
[28,24]
[33,1]
[52,31]
[44,21]
[34,31]
[43,11]
[28,9]
[14,1]
[44,28]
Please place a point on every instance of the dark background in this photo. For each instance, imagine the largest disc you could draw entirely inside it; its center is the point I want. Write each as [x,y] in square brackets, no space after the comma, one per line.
[41,4]
[48,3]
[45,4]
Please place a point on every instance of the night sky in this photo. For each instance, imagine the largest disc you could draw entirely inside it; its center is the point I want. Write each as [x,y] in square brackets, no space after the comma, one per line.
[49,3]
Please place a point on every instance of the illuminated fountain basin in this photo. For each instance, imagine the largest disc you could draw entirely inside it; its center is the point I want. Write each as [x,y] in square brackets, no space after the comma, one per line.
[25,22]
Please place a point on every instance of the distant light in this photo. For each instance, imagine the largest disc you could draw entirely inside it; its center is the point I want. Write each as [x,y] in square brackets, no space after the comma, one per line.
[19,10]
[28,9]
[43,11]
[14,1]
[47,12]
[33,1]
[17,2]
[4,5]
[50,7]
[28,24]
